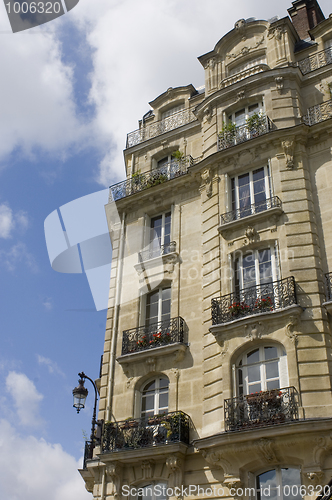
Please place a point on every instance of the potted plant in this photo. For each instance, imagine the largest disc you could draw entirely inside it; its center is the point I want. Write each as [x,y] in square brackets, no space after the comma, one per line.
[227,134]
[238,308]
[264,304]
[255,124]
[142,341]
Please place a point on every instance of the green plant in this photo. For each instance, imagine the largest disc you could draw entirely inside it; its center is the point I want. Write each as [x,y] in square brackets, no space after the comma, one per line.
[178,155]
[255,123]
[228,129]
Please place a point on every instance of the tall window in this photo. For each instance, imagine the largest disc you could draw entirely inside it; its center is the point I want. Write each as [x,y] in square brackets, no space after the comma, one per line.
[279,484]
[160,234]
[158,306]
[250,192]
[262,369]
[240,116]
[172,111]
[155,397]
[256,268]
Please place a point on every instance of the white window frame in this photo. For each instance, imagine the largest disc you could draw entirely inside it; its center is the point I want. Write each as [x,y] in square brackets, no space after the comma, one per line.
[282,368]
[261,110]
[255,252]
[172,111]
[267,182]
[160,302]
[163,224]
[156,406]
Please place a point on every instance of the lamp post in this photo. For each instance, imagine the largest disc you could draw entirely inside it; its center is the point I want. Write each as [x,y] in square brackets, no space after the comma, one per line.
[79,395]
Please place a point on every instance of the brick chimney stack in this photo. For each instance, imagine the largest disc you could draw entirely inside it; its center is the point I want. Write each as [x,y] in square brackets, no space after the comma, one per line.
[305,15]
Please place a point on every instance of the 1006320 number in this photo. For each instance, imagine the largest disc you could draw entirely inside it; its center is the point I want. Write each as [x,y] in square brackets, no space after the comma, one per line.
[34,8]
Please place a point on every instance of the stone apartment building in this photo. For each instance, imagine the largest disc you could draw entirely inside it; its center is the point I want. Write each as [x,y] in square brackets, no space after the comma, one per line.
[217,363]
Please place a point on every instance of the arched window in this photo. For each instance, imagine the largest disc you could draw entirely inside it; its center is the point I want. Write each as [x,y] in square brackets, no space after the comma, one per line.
[155,397]
[262,369]
[281,483]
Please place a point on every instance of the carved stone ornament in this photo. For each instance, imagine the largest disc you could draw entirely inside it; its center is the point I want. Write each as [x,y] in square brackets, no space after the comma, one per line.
[266,448]
[175,469]
[251,235]
[288,147]
[208,113]
[290,327]
[245,50]
[240,27]
[216,460]
[151,364]
[114,471]
[279,83]
[231,481]
[255,330]
[241,95]
[315,477]
[207,181]
[89,484]
[147,469]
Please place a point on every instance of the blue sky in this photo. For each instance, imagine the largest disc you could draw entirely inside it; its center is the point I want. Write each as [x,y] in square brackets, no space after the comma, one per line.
[70,91]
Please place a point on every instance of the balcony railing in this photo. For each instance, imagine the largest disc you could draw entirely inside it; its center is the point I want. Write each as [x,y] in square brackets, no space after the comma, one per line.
[88,452]
[318,113]
[244,133]
[328,278]
[160,127]
[254,300]
[158,251]
[139,182]
[255,208]
[155,335]
[242,75]
[318,60]
[261,409]
[138,433]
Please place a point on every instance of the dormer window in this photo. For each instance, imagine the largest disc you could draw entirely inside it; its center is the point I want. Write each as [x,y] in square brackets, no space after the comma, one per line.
[172,111]
[246,65]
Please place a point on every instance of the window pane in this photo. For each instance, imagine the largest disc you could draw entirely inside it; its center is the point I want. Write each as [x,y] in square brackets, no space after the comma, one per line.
[272,370]
[163,401]
[147,402]
[266,484]
[270,352]
[163,383]
[254,388]
[273,384]
[150,386]
[240,117]
[253,356]
[254,373]
[244,193]
[265,266]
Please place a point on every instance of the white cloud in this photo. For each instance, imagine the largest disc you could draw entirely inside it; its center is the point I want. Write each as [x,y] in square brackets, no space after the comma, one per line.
[26,398]
[10,221]
[42,470]
[6,221]
[51,365]
[48,304]
[18,254]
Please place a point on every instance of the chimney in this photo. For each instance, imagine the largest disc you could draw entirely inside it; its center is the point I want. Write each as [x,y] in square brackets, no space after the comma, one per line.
[305,15]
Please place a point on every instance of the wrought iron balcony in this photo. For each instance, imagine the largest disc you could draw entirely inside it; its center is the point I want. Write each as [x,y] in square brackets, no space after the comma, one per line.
[253,209]
[139,182]
[328,278]
[315,61]
[319,113]
[261,409]
[254,300]
[244,133]
[138,433]
[153,252]
[88,453]
[160,127]
[155,335]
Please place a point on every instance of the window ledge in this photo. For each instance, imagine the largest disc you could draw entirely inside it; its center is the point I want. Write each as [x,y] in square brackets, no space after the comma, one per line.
[178,349]
[168,258]
[224,229]
[222,331]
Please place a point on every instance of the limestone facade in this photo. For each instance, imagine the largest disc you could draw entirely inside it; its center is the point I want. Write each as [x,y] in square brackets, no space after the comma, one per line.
[219,303]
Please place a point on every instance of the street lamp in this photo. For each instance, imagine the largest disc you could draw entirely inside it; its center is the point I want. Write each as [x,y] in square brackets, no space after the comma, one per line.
[79,395]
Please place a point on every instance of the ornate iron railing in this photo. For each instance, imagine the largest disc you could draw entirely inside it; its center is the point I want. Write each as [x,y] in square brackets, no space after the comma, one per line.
[255,208]
[154,430]
[254,300]
[139,182]
[318,113]
[328,278]
[88,452]
[244,133]
[261,409]
[153,252]
[160,127]
[155,335]
[315,61]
